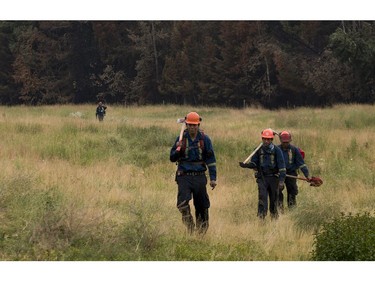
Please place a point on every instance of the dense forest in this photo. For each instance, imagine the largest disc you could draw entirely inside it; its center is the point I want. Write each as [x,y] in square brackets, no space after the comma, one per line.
[233,63]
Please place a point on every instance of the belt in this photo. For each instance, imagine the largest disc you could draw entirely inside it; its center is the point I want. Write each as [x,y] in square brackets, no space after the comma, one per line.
[259,175]
[271,175]
[182,173]
[192,162]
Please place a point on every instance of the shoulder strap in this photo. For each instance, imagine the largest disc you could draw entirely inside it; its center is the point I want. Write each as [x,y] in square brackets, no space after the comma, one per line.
[184,141]
[201,141]
[300,151]
[261,152]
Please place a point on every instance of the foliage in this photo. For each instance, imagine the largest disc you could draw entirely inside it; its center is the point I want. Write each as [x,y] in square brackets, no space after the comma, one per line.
[346,238]
[237,63]
[7,88]
[354,45]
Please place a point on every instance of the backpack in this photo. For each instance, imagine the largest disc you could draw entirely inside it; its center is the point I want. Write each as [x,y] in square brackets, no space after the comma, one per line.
[302,152]
[292,154]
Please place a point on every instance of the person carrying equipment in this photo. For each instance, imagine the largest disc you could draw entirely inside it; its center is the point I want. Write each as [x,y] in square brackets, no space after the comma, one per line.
[269,163]
[194,154]
[294,160]
[100,111]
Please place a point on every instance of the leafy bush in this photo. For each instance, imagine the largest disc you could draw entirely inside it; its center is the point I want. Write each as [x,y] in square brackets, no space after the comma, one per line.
[346,238]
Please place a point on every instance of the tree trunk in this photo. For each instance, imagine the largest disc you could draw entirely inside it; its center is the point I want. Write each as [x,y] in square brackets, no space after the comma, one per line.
[155,51]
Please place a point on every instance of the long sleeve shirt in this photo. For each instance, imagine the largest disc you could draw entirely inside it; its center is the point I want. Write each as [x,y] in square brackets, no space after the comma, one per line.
[192,158]
[270,161]
[294,160]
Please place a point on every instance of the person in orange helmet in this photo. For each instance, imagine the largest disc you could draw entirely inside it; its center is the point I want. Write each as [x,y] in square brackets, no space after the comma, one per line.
[194,155]
[269,163]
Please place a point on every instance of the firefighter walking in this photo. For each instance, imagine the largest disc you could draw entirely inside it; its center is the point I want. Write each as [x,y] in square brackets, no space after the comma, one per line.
[194,155]
[293,161]
[270,174]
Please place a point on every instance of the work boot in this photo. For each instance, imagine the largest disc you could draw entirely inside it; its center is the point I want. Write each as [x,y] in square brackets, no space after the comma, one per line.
[187,218]
[280,207]
[274,216]
[262,218]
[292,202]
[262,211]
[202,221]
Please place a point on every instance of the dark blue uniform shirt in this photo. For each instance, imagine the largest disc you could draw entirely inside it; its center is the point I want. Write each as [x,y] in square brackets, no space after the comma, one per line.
[294,160]
[193,158]
[270,161]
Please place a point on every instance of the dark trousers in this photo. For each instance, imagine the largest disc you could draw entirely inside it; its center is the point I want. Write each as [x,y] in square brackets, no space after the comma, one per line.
[291,190]
[193,187]
[267,188]
[100,117]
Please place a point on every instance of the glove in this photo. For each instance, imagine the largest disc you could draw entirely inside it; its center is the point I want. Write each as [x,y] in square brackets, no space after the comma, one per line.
[247,165]
[178,148]
[243,165]
[281,186]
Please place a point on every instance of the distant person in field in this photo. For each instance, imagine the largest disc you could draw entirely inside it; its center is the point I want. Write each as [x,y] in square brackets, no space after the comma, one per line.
[101,111]
[194,154]
[270,174]
[294,160]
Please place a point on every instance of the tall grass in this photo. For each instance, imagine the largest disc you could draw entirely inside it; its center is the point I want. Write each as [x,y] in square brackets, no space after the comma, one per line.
[72,188]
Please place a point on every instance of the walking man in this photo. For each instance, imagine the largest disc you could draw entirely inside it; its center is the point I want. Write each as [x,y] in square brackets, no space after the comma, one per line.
[293,161]
[194,154]
[100,111]
[269,163]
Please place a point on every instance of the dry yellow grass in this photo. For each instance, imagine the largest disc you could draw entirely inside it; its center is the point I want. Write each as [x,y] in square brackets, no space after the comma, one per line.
[337,143]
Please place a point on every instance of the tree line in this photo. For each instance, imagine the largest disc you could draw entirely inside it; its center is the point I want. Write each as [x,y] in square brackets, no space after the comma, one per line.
[233,63]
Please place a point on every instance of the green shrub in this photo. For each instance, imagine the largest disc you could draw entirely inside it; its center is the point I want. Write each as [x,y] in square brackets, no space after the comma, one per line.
[346,238]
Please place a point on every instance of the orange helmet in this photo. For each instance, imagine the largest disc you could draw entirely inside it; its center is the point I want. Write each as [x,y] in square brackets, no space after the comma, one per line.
[285,136]
[193,118]
[267,134]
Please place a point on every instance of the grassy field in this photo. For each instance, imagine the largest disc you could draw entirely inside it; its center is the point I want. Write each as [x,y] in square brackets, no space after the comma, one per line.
[72,188]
